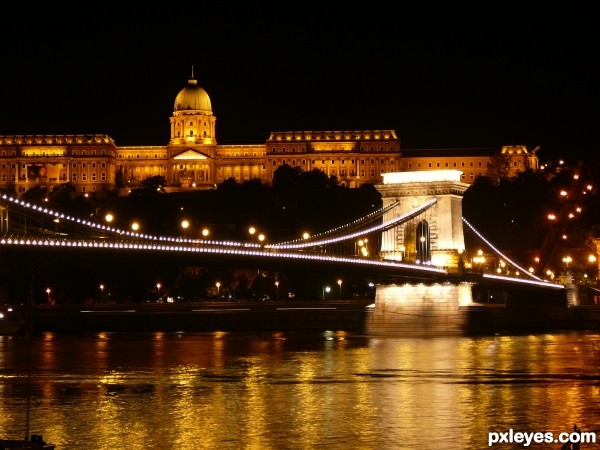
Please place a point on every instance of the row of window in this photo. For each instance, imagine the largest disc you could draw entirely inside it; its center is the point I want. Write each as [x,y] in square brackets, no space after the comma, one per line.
[323,162]
[331,149]
[64,166]
[34,153]
[238,155]
[63,177]
[84,177]
[22,189]
[191,124]
[446,164]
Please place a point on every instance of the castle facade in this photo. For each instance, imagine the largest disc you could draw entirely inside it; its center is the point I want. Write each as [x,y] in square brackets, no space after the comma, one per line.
[192,159]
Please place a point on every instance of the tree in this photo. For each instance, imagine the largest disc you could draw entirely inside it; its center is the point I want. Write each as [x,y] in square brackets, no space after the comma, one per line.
[286,178]
[499,168]
[36,194]
[154,184]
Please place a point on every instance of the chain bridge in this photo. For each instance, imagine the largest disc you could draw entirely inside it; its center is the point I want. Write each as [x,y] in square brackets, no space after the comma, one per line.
[426,278]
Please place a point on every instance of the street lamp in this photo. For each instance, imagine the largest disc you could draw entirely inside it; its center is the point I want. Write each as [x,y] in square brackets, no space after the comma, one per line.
[185,224]
[326,290]
[362,249]
[277,289]
[261,236]
[592,260]
[218,289]
[101,291]
[479,260]
[48,292]
[158,286]
[567,260]
[340,283]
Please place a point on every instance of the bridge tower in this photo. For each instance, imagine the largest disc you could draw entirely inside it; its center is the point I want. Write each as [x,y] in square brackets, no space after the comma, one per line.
[436,235]
[433,236]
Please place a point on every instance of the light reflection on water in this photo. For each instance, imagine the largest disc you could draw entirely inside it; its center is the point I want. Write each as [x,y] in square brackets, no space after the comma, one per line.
[284,391]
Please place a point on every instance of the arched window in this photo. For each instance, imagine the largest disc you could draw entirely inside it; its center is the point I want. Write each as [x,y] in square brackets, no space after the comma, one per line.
[423,242]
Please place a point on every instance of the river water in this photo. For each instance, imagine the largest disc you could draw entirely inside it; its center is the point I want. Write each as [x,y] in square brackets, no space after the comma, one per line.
[187,391]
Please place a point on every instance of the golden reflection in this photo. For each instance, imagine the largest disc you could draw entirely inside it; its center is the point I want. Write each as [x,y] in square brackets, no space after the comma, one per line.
[48,355]
[159,346]
[103,336]
[48,336]
[272,391]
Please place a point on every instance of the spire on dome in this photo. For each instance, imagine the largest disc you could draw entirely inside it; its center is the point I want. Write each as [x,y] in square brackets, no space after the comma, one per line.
[192,80]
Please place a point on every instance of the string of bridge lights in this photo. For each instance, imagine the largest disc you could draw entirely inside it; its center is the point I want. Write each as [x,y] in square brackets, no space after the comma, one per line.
[396,221]
[498,252]
[241,248]
[260,250]
[355,222]
[94,225]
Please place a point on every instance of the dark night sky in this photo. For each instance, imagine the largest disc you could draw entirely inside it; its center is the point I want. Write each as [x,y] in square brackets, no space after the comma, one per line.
[437,87]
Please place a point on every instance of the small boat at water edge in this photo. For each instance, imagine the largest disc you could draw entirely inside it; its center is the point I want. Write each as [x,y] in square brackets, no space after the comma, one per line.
[36,442]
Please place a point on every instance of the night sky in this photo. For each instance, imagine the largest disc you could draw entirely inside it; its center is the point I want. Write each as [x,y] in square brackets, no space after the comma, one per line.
[438,87]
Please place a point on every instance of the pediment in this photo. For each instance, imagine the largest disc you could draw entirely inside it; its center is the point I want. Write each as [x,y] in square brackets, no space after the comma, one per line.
[190,155]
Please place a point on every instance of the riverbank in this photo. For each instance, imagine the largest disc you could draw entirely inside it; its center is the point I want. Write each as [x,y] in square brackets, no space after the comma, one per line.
[206,316]
[307,316]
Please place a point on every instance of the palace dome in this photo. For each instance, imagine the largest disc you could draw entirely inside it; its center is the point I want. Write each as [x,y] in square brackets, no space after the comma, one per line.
[192,97]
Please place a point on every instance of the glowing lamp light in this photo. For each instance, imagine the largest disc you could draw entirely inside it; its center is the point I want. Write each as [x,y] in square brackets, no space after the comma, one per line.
[422,177]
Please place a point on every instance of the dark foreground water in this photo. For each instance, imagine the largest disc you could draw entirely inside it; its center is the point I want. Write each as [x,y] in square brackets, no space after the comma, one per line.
[284,391]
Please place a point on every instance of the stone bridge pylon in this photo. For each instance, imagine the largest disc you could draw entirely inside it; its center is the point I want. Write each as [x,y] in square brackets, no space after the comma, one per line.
[436,235]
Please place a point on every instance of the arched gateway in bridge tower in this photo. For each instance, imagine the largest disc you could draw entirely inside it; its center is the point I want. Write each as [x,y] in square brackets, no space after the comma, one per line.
[435,236]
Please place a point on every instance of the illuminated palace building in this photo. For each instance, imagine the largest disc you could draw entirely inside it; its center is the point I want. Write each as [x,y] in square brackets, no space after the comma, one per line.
[93,163]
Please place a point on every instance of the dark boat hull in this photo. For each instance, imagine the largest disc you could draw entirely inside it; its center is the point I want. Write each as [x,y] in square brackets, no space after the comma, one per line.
[36,443]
